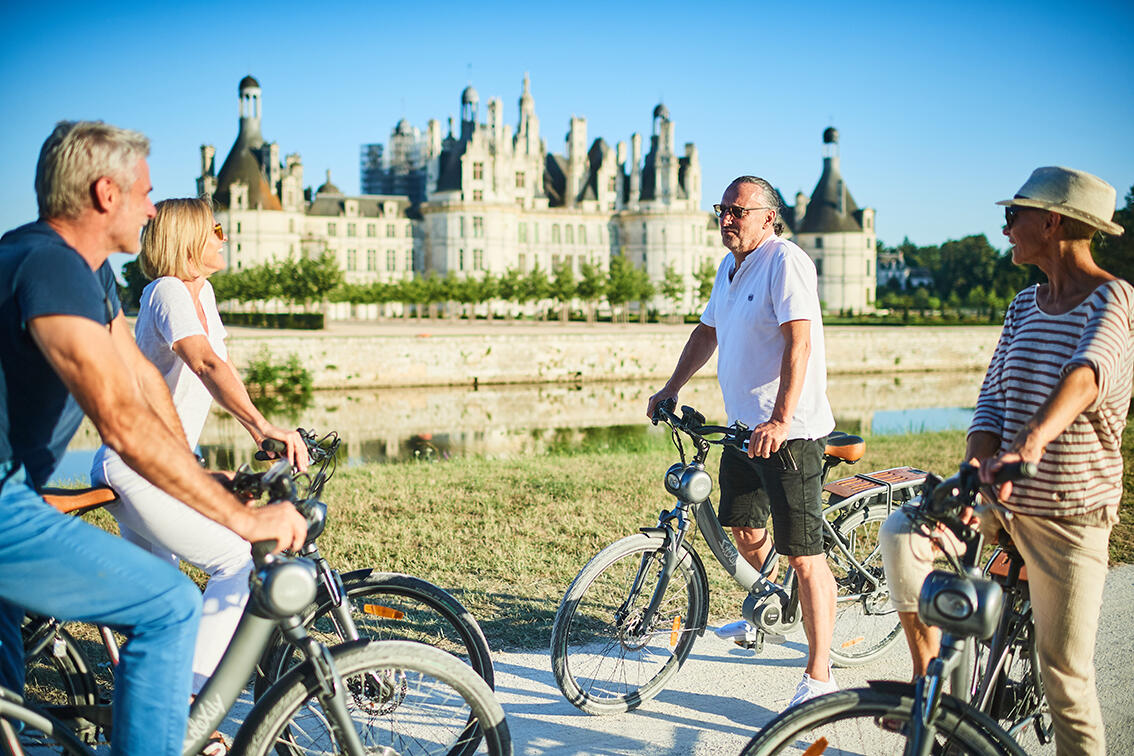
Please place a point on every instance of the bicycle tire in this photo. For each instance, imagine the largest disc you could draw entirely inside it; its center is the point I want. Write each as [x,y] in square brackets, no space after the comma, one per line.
[439,705]
[866,624]
[1017,703]
[388,606]
[58,674]
[604,666]
[26,730]
[871,720]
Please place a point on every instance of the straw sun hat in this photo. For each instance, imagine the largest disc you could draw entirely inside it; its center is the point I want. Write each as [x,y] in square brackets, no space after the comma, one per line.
[1069,192]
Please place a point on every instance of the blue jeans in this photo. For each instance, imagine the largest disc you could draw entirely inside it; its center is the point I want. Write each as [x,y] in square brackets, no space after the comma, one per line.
[60,566]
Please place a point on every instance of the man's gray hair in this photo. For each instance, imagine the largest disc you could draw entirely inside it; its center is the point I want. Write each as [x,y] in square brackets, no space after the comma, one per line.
[769,198]
[75,156]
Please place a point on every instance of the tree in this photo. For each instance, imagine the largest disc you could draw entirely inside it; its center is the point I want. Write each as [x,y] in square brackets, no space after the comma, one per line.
[510,287]
[1116,253]
[536,287]
[136,281]
[673,288]
[705,276]
[622,285]
[643,291]
[591,287]
[563,289]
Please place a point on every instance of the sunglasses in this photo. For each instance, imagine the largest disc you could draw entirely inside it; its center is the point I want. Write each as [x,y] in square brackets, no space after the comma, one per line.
[218,231]
[1010,214]
[736,211]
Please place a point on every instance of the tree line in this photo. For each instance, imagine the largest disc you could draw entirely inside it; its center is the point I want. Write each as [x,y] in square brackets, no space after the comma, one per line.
[304,281]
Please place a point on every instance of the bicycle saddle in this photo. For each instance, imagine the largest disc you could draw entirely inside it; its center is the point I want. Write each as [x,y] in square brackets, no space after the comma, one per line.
[845,447]
[78,500]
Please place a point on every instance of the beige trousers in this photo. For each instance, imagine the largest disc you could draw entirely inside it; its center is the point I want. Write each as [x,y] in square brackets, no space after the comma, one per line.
[1067,563]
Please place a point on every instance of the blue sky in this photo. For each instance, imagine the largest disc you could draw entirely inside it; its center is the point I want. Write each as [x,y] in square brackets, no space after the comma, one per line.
[942,108]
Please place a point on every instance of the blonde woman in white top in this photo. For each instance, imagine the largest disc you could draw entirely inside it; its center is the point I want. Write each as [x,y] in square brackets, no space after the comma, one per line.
[180,331]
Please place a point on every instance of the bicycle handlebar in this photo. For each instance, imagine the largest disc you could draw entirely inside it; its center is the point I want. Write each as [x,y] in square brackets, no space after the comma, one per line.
[692,423]
[318,449]
[943,501]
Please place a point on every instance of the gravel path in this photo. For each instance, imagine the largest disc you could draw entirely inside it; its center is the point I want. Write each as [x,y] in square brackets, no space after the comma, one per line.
[724,694]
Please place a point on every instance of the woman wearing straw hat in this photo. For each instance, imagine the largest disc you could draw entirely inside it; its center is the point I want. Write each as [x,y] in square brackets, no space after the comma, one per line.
[1056,393]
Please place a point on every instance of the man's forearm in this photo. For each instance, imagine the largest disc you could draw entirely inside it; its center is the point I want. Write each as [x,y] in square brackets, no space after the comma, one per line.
[793,370]
[698,349]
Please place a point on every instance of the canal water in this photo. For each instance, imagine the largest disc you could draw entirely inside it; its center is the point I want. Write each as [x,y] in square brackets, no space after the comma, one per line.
[440,422]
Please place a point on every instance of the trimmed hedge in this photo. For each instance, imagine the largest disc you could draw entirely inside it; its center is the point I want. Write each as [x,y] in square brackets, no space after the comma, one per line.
[304,321]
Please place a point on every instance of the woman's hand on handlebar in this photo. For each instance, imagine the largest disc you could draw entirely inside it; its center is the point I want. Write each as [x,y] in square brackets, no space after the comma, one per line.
[991,466]
[296,447]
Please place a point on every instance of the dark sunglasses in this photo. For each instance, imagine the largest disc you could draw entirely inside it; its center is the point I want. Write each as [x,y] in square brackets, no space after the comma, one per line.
[1010,214]
[218,231]
[736,211]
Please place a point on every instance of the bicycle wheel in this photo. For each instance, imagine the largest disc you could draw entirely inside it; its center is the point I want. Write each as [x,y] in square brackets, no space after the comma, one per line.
[56,670]
[389,606]
[1016,699]
[405,698]
[604,659]
[866,625]
[25,730]
[875,721]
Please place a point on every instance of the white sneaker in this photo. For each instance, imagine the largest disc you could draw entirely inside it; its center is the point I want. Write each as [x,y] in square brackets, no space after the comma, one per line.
[809,688]
[738,632]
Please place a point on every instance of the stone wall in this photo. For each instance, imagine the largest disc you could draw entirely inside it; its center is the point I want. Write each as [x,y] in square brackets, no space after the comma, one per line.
[426,355]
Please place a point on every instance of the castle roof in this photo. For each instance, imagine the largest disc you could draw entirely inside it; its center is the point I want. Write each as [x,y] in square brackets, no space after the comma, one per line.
[831,208]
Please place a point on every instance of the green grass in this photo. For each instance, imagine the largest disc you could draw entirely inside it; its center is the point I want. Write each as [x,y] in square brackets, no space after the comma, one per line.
[507,536]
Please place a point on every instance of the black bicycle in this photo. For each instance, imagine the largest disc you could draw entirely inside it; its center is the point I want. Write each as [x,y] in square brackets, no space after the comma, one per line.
[629,620]
[919,718]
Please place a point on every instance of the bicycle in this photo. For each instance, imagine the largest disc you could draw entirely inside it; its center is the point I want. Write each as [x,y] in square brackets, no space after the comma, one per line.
[919,718]
[364,603]
[367,602]
[628,621]
[361,697]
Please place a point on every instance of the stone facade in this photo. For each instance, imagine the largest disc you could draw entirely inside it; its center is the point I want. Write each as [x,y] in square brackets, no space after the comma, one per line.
[483,199]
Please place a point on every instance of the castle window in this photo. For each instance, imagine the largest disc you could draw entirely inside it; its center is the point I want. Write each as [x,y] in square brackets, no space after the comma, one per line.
[818,242]
[462,227]
[519,179]
[478,226]
[352,229]
[522,262]
[291,225]
[238,227]
[460,259]
[391,260]
[523,232]
[613,184]
[351,260]
[409,230]
[409,259]
[555,233]
[478,170]
[570,234]
[371,260]
[332,229]
[391,230]
[478,259]
[868,266]
[477,195]
[819,267]
[582,234]
[371,229]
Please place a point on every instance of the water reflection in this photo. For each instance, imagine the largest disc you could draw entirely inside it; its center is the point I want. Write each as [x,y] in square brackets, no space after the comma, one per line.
[440,422]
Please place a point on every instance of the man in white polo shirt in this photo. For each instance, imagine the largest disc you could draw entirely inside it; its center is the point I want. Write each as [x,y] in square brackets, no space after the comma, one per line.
[764,315]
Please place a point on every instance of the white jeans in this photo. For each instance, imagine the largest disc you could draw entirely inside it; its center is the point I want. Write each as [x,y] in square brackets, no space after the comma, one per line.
[162,525]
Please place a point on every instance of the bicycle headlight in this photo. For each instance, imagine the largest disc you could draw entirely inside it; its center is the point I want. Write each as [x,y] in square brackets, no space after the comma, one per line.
[673,478]
[696,485]
[960,605]
[284,587]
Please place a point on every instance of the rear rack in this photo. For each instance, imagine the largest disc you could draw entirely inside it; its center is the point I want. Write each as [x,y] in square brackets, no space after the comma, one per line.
[883,483]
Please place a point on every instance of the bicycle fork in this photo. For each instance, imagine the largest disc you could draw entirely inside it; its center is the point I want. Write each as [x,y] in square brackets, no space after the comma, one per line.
[673,538]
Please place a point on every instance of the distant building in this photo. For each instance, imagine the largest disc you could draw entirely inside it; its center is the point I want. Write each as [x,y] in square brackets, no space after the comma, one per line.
[481,198]
[839,236]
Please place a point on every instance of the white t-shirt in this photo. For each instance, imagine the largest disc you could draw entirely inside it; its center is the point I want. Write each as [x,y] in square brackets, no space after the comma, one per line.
[167,315]
[775,284]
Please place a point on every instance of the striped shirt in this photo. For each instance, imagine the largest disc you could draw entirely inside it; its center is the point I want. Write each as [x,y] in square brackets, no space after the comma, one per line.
[1081,469]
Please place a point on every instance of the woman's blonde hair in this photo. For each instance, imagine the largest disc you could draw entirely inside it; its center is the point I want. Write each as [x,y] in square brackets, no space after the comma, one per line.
[173,242]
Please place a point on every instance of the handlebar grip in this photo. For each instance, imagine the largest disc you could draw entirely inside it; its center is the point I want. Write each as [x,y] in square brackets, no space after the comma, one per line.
[261,549]
[262,456]
[1015,471]
[273,445]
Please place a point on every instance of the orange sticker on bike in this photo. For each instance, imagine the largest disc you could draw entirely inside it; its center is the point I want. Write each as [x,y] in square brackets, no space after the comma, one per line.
[854,641]
[816,748]
[385,612]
